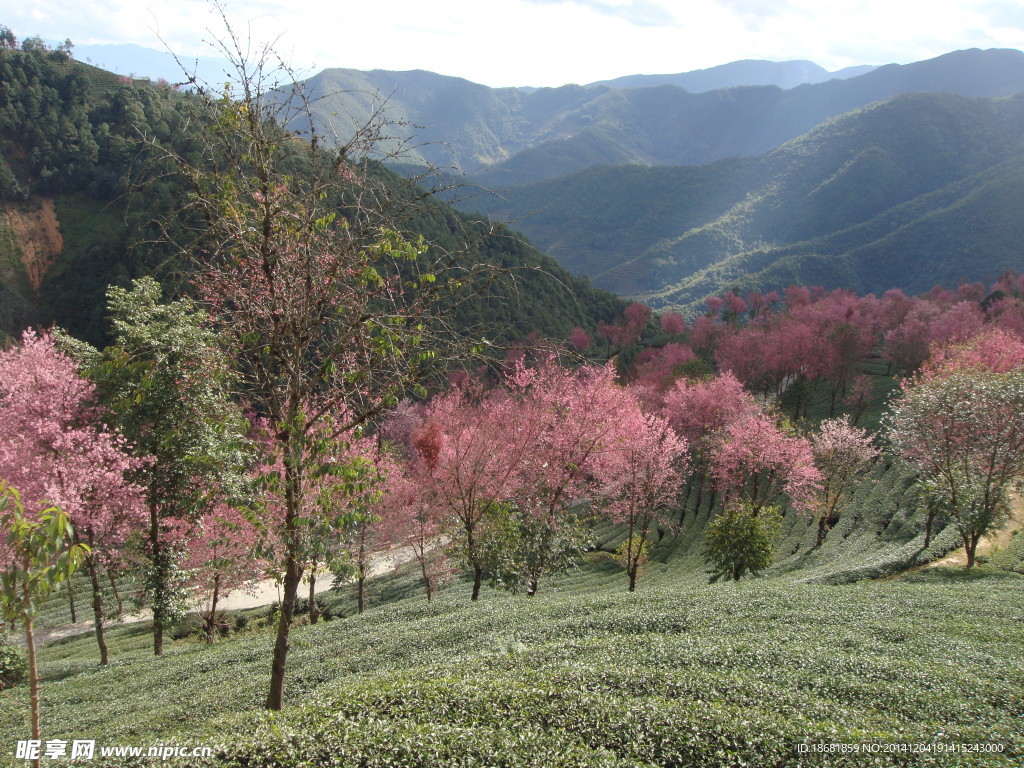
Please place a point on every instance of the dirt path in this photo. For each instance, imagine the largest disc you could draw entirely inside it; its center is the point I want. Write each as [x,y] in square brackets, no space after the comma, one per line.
[263,593]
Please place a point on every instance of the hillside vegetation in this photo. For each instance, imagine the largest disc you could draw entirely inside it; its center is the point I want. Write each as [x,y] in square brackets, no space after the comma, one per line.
[913,191]
[681,673]
[87,146]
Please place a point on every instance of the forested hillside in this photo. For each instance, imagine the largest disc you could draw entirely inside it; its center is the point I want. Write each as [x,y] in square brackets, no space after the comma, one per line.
[913,191]
[510,136]
[84,196]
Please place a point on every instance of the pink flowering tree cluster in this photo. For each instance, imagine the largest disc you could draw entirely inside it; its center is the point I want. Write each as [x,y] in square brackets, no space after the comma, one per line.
[699,411]
[55,448]
[519,471]
[628,329]
[754,462]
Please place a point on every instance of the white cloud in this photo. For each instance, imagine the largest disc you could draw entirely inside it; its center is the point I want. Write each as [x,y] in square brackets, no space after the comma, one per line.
[548,42]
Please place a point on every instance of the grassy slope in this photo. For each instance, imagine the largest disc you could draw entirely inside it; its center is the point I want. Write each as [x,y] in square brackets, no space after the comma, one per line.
[681,673]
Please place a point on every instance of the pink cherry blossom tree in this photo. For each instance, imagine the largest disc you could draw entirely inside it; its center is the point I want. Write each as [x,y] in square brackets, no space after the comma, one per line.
[673,324]
[960,422]
[55,448]
[472,445]
[754,462]
[841,453]
[650,463]
[577,419]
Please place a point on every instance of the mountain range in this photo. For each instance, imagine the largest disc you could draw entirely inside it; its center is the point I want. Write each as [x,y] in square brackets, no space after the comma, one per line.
[87,200]
[910,192]
[662,187]
[502,137]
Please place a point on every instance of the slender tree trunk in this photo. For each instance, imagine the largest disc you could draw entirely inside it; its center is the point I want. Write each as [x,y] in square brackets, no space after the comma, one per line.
[361,589]
[292,576]
[422,557]
[117,593]
[158,580]
[821,530]
[798,382]
[71,601]
[314,612]
[737,572]
[971,545]
[686,500]
[478,577]
[211,619]
[928,527]
[97,607]
[33,678]
[632,577]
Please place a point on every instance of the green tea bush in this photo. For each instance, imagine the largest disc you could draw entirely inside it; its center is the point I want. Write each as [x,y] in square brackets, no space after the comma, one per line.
[13,666]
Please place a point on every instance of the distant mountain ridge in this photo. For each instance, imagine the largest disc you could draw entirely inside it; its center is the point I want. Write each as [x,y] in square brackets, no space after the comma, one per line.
[783,74]
[508,136]
[920,189]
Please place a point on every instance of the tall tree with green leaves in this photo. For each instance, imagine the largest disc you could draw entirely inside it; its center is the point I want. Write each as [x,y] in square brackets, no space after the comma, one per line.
[167,382]
[36,557]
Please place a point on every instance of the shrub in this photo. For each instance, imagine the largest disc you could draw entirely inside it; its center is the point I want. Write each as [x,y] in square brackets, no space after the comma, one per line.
[13,667]
[741,540]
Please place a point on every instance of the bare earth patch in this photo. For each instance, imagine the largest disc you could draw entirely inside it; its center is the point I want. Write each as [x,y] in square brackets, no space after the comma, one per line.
[36,232]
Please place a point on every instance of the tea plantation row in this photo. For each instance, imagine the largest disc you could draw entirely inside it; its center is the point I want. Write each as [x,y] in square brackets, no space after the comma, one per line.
[679,674]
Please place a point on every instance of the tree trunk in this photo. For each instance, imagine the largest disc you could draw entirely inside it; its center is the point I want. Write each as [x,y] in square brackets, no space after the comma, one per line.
[361,589]
[821,530]
[737,572]
[117,593]
[314,612]
[426,578]
[33,679]
[478,577]
[97,606]
[686,500]
[158,580]
[971,545]
[531,590]
[211,619]
[292,576]
[632,577]
[71,601]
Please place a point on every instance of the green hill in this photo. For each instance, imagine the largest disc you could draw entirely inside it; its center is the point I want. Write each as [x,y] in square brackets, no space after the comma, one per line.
[906,193]
[75,143]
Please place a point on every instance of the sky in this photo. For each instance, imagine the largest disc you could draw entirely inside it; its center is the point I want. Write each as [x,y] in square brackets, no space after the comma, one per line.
[543,42]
